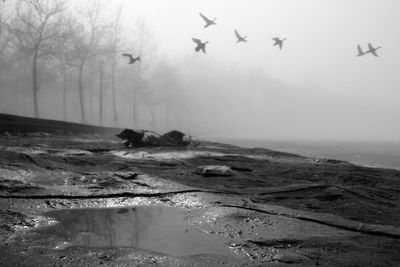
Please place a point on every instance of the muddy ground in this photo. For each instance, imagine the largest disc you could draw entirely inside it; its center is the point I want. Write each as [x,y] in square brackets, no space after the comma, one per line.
[275,209]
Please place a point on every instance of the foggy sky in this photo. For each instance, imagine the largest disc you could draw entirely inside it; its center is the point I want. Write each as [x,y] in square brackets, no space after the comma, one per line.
[314,88]
[344,96]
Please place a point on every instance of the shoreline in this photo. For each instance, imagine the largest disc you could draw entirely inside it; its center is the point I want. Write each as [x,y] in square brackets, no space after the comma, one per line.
[269,207]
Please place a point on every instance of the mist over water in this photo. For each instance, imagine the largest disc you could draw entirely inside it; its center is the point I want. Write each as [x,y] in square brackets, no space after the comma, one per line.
[369,154]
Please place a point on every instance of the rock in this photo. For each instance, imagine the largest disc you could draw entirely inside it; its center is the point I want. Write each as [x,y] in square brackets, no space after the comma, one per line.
[214,170]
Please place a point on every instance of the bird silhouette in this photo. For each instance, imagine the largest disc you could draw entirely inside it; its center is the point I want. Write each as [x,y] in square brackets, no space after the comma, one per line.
[131,58]
[372,50]
[200,45]
[240,38]
[360,51]
[208,21]
[279,42]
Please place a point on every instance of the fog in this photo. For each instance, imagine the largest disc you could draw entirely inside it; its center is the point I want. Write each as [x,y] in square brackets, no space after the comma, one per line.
[313,88]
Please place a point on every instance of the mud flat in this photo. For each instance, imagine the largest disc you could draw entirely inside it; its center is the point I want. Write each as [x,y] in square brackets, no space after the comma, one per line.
[80,198]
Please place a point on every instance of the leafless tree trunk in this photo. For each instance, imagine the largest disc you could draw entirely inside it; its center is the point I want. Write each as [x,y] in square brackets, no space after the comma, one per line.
[114,43]
[35,84]
[137,84]
[146,70]
[80,90]
[64,93]
[136,87]
[114,89]
[39,24]
[88,45]
[101,94]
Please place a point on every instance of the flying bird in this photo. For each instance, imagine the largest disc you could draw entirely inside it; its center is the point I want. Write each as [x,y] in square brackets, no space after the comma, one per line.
[278,42]
[208,21]
[372,50]
[240,38]
[131,58]
[200,45]
[360,51]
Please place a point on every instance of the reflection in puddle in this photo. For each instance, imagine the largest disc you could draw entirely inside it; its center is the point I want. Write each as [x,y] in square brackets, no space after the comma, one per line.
[158,229]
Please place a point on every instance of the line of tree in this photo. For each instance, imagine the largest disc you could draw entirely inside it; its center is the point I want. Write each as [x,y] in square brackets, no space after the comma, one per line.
[76,47]
[61,59]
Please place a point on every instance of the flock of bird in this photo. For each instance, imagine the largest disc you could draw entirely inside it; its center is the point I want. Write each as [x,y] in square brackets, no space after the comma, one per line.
[201,46]
[371,50]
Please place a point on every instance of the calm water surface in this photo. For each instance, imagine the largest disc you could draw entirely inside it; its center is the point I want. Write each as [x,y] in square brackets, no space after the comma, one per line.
[370,154]
[160,229]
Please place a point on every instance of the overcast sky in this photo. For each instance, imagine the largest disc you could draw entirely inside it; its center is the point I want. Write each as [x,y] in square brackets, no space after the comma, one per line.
[322,36]
[314,88]
[319,54]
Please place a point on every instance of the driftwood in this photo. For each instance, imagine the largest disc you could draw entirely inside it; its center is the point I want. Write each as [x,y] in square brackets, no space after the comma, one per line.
[142,138]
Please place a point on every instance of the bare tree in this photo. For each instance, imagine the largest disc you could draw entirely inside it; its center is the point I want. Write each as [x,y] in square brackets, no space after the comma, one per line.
[39,23]
[114,43]
[101,80]
[64,65]
[145,72]
[87,40]
[4,41]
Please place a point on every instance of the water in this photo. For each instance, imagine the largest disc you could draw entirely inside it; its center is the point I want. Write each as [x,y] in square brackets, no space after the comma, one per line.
[160,229]
[370,154]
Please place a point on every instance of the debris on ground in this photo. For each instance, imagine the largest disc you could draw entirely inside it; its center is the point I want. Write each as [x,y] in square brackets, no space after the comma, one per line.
[132,138]
[143,138]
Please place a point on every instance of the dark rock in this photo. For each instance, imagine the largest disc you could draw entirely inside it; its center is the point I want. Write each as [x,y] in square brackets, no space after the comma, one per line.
[133,138]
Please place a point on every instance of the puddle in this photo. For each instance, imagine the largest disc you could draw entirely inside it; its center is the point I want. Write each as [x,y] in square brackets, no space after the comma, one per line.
[160,229]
